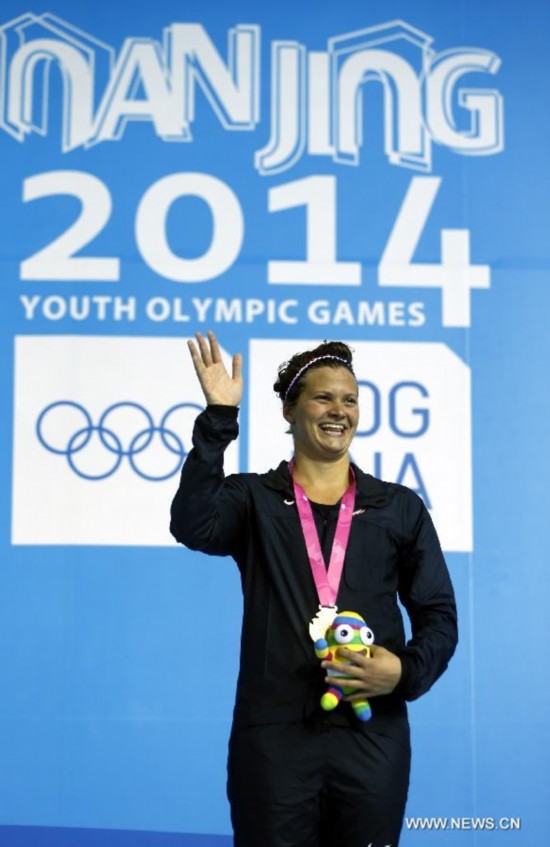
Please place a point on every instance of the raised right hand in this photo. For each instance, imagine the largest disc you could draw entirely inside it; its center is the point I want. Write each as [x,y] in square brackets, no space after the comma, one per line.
[218,386]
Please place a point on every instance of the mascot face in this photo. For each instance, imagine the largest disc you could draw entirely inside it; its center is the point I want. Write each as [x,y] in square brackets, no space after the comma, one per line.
[349,630]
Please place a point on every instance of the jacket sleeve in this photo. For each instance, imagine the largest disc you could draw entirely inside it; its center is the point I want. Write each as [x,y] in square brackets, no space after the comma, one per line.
[426,592]
[210,512]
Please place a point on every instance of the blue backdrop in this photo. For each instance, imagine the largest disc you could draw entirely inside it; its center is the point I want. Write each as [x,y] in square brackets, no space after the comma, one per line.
[282,174]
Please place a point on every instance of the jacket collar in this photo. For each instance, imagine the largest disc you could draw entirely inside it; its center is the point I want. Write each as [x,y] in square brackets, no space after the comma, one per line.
[371,492]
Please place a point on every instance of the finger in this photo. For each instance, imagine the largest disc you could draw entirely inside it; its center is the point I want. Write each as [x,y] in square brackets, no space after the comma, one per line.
[214,347]
[196,356]
[352,657]
[345,682]
[342,667]
[339,673]
[237,367]
[339,667]
[339,679]
[205,350]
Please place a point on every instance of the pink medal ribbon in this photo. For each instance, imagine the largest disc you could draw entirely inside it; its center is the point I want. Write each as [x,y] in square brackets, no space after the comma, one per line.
[327,580]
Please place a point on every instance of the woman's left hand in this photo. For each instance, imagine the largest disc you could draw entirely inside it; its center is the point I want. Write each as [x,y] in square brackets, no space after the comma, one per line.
[370,677]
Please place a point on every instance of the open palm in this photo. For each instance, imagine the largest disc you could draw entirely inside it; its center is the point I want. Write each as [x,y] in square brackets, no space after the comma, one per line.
[218,385]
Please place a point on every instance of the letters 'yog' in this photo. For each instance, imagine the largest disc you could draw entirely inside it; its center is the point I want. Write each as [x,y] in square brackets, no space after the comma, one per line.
[315,107]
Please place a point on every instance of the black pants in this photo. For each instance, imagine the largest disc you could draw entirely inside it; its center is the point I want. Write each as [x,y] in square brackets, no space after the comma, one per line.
[327,786]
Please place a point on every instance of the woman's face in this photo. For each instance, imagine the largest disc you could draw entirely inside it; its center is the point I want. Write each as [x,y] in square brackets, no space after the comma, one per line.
[325,416]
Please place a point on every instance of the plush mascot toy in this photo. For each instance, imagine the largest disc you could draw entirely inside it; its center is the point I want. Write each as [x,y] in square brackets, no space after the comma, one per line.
[349,630]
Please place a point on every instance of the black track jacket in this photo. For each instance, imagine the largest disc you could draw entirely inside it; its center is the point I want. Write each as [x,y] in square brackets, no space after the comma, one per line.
[393,551]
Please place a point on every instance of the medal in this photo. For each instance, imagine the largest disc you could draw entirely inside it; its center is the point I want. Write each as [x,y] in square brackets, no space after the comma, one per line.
[319,624]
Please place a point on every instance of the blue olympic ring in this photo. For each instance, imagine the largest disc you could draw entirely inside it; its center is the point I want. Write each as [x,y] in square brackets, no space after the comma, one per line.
[138,443]
[126,405]
[88,432]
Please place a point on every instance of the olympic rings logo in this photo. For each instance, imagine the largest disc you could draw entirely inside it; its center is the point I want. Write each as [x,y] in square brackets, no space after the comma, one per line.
[125,430]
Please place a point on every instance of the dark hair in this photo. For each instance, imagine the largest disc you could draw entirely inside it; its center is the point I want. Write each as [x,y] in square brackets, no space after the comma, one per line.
[289,370]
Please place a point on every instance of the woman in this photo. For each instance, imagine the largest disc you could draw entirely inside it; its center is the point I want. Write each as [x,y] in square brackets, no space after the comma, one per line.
[299,776]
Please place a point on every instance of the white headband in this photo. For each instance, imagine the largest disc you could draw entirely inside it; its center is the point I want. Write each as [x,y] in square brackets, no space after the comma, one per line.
[312,362]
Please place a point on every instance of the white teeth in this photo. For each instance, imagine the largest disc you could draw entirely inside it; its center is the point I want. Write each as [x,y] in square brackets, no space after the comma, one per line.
[332,428]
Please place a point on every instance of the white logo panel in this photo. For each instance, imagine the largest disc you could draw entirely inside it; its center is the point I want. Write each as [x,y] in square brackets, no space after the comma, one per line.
[415,424]
[101,429]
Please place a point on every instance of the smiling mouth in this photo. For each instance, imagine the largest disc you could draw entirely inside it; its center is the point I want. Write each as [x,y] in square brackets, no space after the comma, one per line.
[333,429]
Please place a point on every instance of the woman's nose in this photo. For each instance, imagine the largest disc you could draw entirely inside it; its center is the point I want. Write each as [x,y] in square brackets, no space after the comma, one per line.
[337,409]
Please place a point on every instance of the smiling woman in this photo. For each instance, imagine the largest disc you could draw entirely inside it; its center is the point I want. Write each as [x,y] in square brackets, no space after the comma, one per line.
[320,402]
[310,766]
